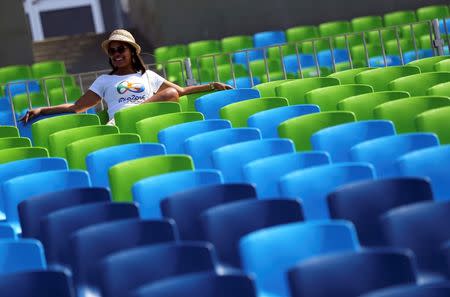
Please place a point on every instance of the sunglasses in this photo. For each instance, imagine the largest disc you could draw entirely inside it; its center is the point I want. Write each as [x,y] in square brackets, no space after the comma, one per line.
[120,49]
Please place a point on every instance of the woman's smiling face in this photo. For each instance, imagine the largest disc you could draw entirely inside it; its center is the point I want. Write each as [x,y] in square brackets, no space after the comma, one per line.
[120,54]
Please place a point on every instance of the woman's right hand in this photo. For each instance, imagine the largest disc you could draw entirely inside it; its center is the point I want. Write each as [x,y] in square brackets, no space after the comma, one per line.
[31,114]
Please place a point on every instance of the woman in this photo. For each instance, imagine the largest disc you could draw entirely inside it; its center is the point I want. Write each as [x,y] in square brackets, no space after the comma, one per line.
[128,84]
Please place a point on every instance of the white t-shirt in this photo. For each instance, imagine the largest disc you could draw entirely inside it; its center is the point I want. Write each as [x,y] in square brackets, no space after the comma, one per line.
[122,91]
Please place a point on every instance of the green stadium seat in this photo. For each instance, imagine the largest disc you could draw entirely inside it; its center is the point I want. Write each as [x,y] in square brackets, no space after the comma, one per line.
[362,105]
[418,84]
[348,76]
[301,128]
[238,113]
[258,67]
[443,65]
[365,23]
[48,68]
[187,101]
[301,33]
[358,52]
[440,89]
[56,96]
[225,73]
[352,40]
[403,111]
[14,142]
[427,64]
[235,43]
[435,121]
[320,45]
[278,76]
[166,53]
[392,46]
[149,128]
[8,131]
[335,28]
[77,151]
[124,175]
[381,77]
[54,82]
[286,50]
[15,72]
[60,140]
[203,47]
[386,34]
[20,153]
[399,18]
[295,90]
[126,119]
[327,98]
[21,102]
[42,129]
[433,12]
[268,89]
[419,30]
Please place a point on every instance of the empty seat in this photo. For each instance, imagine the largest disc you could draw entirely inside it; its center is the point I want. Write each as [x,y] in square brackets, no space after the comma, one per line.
[24,187]
[305,184]
[14,142]
[369,270]
[301,33]
[148,192]
[17,255]
[58,226]
[201,146]
[403,111]
[21,153]
[425,290]
[173,137]
[434,121]
[91,244]
[300,129]
[427,64]
[205,284]
[383,152]
[418,84]
[8,131]
[231,159]
[125,271]
[295,90]
[78,150]
[440,89]
[210,104]
[37,283]
[431,163]
[100,161]
[32,210]
[123,175]
[6,231]
[268,253]
[399,17]
[380,78]
[46,68]
[268,38]
[187,102]
[420,227]
[265,172]
[224,225]
[338,140]
[363,203]
[127,118]
[267,121]
[185,207]
[362,105]
[366,23]
[267,89]
[234,43]
[347,77]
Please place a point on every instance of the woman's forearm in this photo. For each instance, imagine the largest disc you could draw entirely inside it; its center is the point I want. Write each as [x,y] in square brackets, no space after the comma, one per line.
[58,109]
[196,89]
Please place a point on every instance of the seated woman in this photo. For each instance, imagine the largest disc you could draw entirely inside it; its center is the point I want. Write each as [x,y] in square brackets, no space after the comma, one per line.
[128,84]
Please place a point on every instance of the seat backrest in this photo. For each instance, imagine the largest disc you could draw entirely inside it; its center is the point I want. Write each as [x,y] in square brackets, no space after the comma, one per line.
[347,77]
[21,153]
[9,131]
[14,142]
[313,185]
[427,64]
[231,159]
[434,121]
[379,78]
[125,271]
[100,161]
[327,98]
[164,185]
[335,28]
[265,172]
[295,90]
[32,210]
[363,203]
[267,89]
[418,84]
[19,255]
[268,253]
[185,207]
[424,290]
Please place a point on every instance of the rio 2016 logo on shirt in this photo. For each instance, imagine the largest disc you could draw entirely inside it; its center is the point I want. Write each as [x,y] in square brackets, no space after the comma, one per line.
[134,87]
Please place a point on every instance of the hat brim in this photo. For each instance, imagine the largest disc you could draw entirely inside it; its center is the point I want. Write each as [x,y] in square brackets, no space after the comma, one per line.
[105,43]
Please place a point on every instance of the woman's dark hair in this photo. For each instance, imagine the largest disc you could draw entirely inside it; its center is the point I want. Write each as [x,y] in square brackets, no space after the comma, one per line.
[136,61]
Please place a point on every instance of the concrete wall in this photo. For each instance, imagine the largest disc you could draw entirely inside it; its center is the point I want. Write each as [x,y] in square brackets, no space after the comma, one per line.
[16,38]
[166,22]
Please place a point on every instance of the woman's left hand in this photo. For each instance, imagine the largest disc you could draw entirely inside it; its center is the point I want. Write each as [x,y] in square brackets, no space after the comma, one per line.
[220,86]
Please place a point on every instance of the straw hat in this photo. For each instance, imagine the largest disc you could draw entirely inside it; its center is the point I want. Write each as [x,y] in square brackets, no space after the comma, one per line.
[123,36]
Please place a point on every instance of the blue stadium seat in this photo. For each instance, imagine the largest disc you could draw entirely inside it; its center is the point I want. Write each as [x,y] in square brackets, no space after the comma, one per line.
[242,57]
[91,244]
[24,187]
[125,271]
[338,140]
[244,82]
[268,253]
[423,228]
[291,62]
[262,39]
[383,152]
[232,158]
[36,283]
[325,57]
[99,162]
[24,167]
[6,231]
[379,61]
[32,210]
[210,104]
[368,270]
[224,225]
[17,87]
[206,284]
[185,207]
[432,163]
[363,203]
[313,185]
[201,146]
[267,121]
[426,290]
[148,192]
[265,173]
[410,56]
[18,255]
[58,226]
[173,137]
